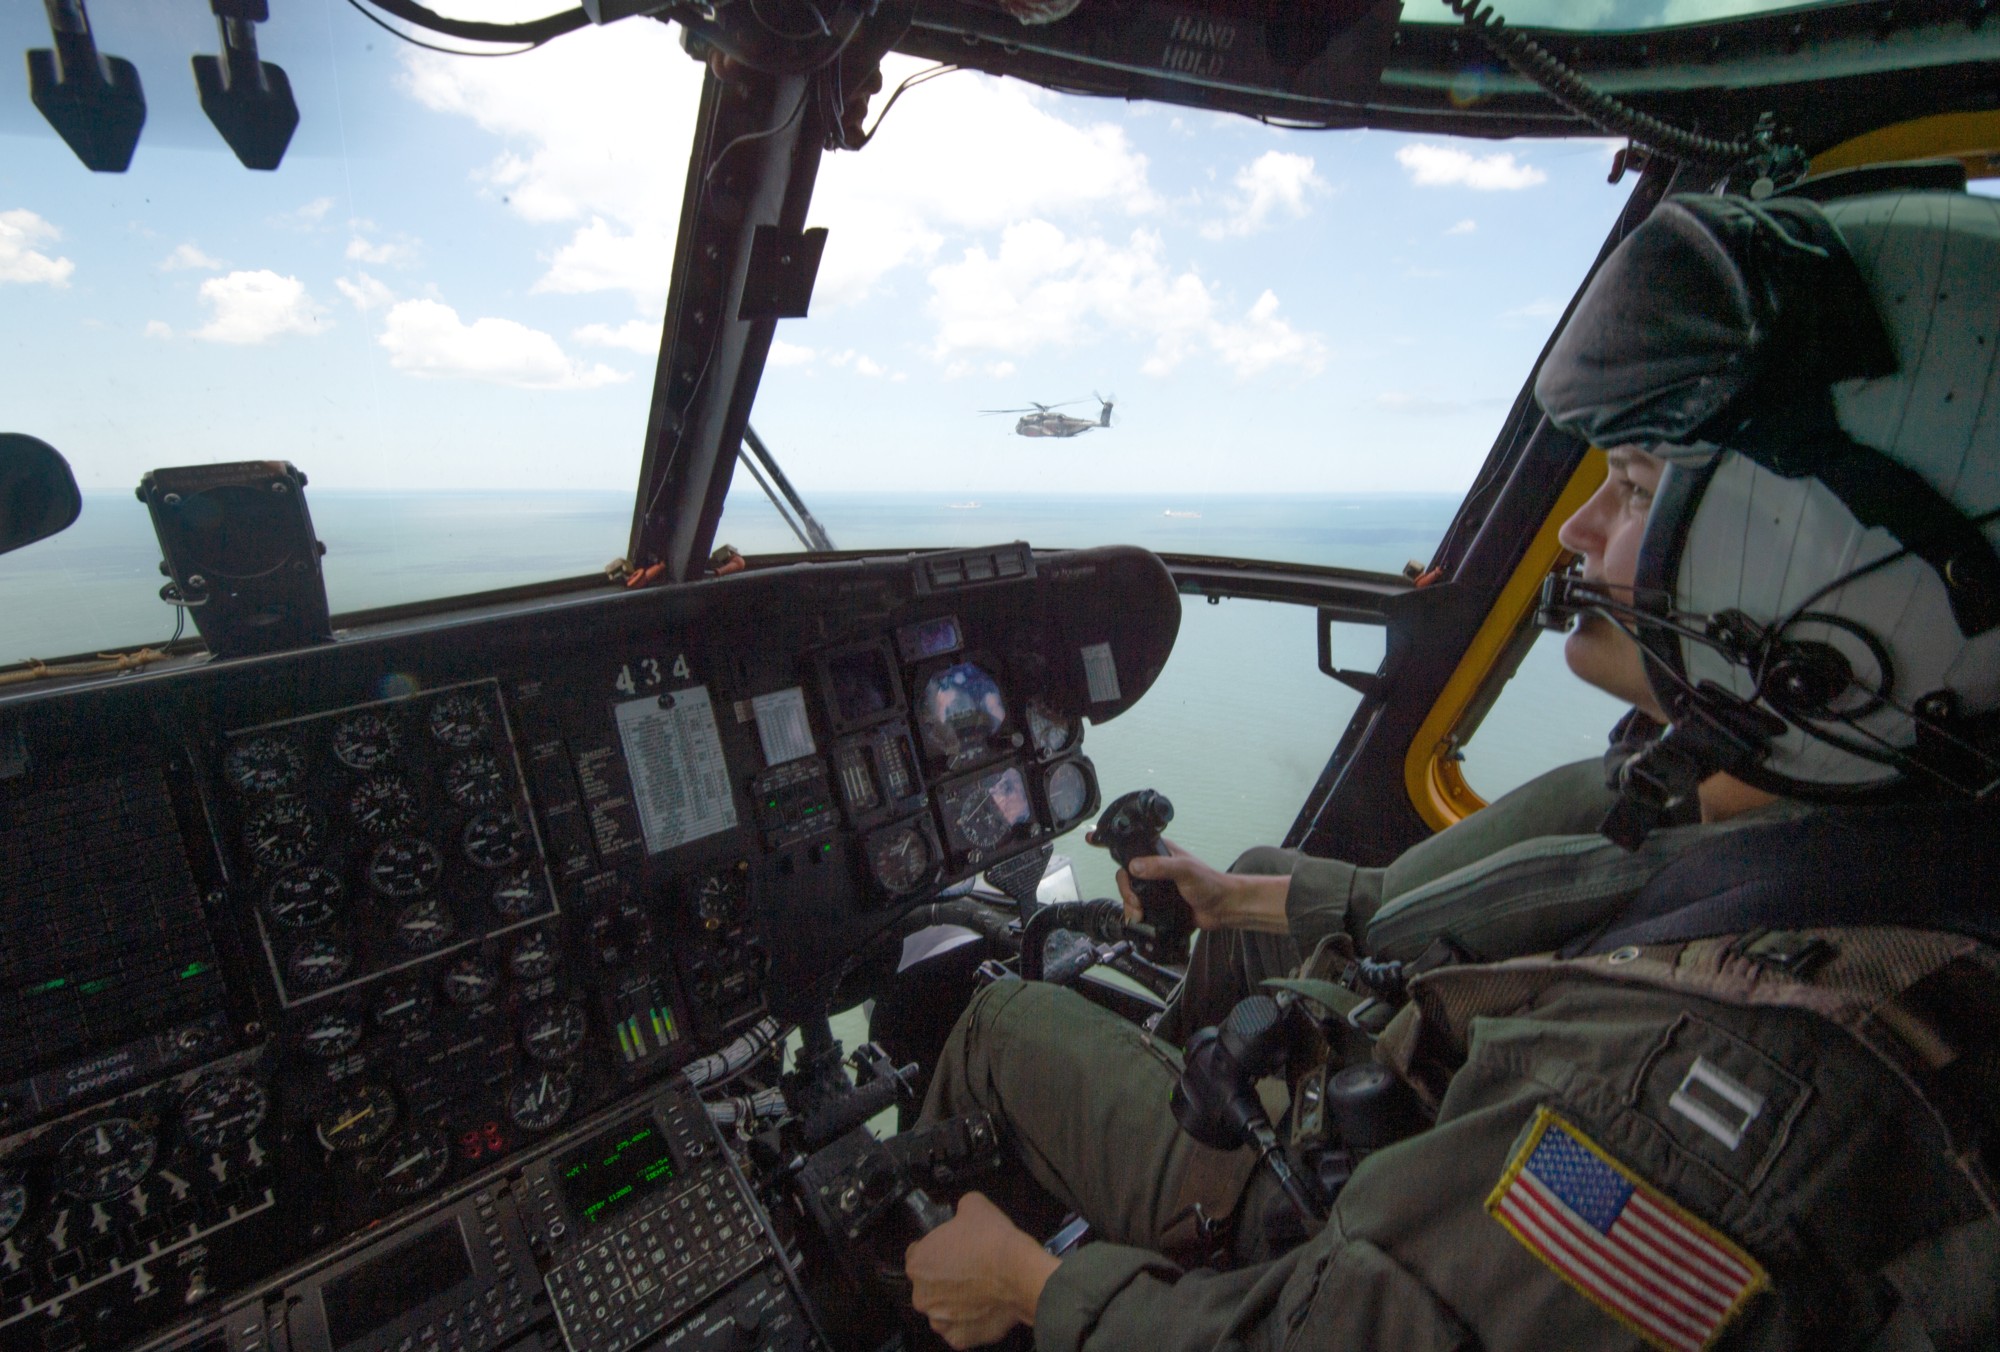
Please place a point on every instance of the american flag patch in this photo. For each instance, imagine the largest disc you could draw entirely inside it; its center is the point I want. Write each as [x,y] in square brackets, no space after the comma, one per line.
[1643,1258]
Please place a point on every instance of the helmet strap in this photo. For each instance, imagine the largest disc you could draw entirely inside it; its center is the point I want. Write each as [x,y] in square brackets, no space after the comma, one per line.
[1713,732]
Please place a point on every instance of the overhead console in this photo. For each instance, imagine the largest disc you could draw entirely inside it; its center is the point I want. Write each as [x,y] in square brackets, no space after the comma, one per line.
[298,944]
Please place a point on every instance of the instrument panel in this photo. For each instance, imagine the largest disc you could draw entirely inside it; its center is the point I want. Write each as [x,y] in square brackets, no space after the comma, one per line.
[299,942]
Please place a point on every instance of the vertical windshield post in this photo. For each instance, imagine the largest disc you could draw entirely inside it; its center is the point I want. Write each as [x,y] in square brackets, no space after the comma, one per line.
[757,150]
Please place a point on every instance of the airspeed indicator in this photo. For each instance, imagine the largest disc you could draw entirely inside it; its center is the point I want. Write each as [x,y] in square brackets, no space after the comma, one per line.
[901,858]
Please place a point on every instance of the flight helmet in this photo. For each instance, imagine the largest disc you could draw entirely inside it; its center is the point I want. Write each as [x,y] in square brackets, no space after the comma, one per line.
[1818,589]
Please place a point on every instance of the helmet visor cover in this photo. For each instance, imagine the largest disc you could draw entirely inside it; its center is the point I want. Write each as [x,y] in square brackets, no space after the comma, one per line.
[1838,608]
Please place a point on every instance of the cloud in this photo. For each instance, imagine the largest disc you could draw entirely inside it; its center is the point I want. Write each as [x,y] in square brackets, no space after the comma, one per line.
[156,328]
[1262,340]
[1539,308]
[364,292]
[399,252]
[1274,182]
[1436,166]
[634,335]
[1044,288]
[963,154]
[21,231]
[863,364]
[1464,227]
[311,216]
[255,307]
[426,338]
[549,110]
[190,256]
[789,354]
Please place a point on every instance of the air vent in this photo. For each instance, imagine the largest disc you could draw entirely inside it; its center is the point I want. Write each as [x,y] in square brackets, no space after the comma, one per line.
[971,567]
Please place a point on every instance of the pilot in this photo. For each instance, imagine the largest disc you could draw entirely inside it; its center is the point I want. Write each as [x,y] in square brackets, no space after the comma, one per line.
[1739,1085]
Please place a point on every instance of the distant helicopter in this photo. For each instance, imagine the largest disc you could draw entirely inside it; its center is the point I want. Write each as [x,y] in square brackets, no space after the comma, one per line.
[1042,420]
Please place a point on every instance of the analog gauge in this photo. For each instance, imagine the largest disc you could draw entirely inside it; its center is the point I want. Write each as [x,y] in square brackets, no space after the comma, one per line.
[333,1033]
[540,1101]
[283,831]
[363,741]
[1068,791]
[459,719]
[493,839]
[13,1201]
[476,780]
[359,1116]
[263,764]
[424,926]
[719,898]
[224,1110]
[304,898]
[901,858]
[518,893]
[553,1032]
[1051,734]
[405,867]
[105,1159]
[382,805]
[533,957]
[981,813]
[412,1161]
[469,980]
[961,710]
[399,1003]
[318,963]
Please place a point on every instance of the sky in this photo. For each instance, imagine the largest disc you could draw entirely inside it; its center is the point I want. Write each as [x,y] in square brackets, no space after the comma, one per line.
[456,279]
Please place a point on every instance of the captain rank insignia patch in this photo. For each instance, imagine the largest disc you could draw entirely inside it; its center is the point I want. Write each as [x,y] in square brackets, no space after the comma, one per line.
[1635,1252]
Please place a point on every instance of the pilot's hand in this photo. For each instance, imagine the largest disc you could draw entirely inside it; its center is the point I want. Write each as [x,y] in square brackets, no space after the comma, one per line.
[977,1275]
[1219,900]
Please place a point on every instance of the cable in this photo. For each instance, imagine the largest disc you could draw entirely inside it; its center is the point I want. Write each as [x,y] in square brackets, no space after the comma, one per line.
[534,32]
[431,46]
[1601,110]
[924,76]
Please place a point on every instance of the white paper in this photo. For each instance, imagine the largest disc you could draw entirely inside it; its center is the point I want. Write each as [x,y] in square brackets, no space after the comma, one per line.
[1100,673]
[932,940]
[782,726]
[680,782]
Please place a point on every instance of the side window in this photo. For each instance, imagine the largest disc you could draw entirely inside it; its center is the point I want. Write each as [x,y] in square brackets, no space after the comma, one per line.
[1542,717]
[1235,732]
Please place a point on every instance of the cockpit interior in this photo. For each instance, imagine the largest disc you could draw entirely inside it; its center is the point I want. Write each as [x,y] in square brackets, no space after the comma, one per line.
[492,969]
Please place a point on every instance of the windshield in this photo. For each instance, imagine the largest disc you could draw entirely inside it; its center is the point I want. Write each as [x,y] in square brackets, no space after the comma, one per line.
[1079,321]
[444,306]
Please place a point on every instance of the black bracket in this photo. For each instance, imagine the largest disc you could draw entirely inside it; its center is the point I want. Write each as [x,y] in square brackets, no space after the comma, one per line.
[1366,682]
[783,267]
[93,101]
[249,101]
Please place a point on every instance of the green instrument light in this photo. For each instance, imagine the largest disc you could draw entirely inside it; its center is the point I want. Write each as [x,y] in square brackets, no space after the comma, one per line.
[193,969]
[54,985]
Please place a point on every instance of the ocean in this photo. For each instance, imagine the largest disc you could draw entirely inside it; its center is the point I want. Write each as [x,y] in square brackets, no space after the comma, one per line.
[1235,731]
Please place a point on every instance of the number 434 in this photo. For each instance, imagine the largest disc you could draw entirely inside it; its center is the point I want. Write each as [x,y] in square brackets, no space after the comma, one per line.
[649,674]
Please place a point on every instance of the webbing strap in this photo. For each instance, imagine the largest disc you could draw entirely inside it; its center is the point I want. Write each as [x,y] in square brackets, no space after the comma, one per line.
[1924,867]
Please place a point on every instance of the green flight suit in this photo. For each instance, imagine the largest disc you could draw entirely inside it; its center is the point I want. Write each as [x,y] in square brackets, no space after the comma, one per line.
[1863,1206]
